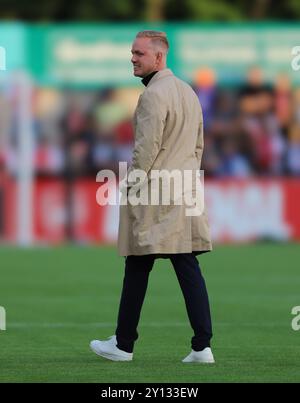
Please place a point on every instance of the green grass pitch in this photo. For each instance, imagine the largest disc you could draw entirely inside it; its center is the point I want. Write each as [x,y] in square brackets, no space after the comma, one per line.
[58,299]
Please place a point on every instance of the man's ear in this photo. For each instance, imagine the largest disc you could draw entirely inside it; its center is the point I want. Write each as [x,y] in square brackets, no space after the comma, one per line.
[159,56]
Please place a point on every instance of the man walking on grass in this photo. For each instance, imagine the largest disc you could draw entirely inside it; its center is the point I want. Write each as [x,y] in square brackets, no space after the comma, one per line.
[168,128]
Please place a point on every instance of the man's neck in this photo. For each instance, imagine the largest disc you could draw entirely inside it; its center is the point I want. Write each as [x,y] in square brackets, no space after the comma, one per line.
[146,79]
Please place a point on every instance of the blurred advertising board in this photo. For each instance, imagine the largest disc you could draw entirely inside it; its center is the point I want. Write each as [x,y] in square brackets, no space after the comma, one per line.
[230,49]
[239,211]
[99,54]
[13,42]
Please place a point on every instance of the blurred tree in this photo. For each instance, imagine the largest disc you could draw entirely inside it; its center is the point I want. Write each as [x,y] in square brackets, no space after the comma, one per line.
[114,10]
[154,10]
[285,10]
[231,10]
[150,10]
[259,9]
[78,10]
[214,10]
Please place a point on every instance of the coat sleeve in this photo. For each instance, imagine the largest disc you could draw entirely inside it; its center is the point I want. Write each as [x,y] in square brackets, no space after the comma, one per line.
[150,123]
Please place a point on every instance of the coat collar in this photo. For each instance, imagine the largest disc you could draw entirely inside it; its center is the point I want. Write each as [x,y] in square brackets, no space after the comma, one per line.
[160,74]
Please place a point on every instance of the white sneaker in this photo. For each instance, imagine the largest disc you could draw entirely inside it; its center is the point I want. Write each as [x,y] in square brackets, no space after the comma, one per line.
[108,349]
[205,356]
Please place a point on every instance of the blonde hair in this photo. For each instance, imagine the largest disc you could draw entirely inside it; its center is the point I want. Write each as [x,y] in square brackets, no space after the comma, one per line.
[158,38]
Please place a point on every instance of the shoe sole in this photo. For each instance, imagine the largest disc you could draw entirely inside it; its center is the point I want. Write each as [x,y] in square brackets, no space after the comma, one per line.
[199,362]
[110,357]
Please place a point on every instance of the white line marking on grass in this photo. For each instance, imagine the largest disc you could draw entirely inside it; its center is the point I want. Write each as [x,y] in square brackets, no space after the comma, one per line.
[112,324]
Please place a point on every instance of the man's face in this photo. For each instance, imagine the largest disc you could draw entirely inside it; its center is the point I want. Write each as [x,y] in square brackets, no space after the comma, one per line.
[143,58]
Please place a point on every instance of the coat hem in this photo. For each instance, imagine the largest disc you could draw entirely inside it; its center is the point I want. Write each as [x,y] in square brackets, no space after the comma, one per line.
[165,254]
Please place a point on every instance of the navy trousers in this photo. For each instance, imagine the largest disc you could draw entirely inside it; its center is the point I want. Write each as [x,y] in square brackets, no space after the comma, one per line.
[137,269]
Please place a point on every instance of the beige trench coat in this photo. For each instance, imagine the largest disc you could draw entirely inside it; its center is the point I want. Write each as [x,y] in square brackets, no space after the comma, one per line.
[168,127]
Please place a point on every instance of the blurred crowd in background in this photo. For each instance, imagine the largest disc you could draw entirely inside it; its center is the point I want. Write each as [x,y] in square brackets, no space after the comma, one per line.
[83,97]
[250,130]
